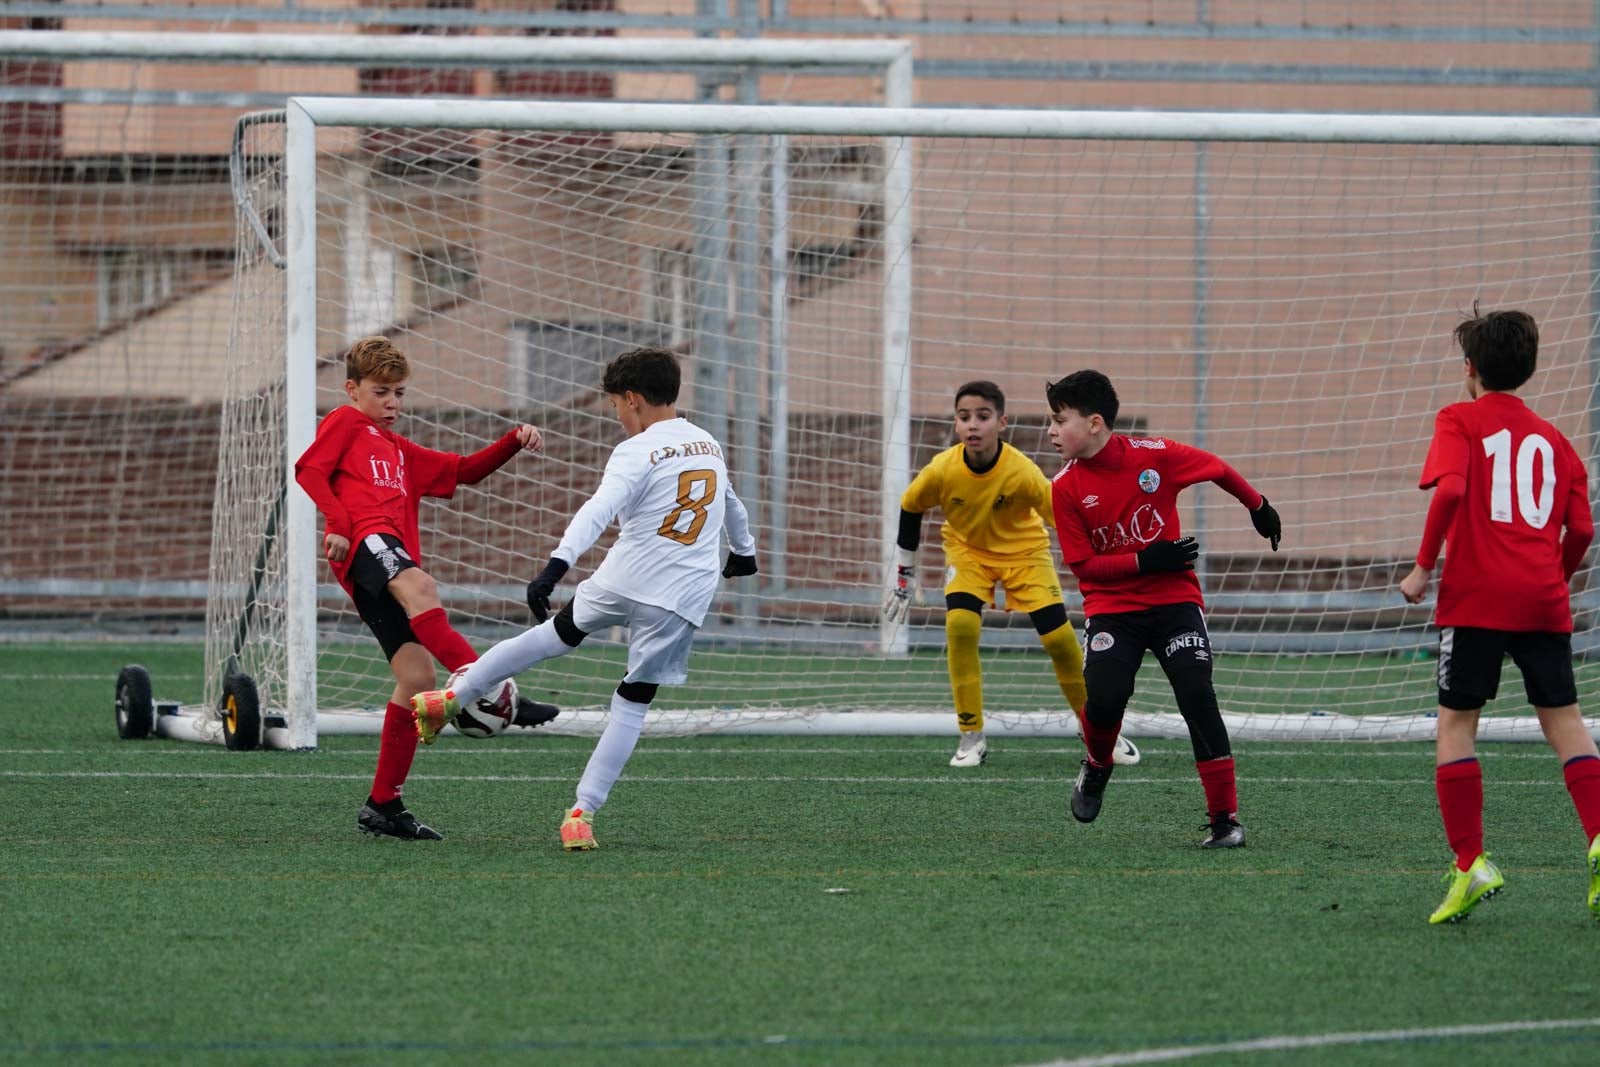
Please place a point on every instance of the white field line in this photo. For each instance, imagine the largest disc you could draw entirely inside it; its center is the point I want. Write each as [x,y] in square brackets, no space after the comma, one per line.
[1279,1044]
[792,779]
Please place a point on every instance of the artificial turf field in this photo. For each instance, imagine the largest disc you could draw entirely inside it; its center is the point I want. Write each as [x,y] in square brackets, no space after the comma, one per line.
[166,902]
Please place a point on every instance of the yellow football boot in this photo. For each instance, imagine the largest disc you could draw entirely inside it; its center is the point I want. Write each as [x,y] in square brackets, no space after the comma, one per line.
[577,831]
[434,708]
[1479,882]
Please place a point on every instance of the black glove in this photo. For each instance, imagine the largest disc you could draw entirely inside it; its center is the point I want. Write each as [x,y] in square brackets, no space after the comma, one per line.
[541,587]
[1166,556]
[1267,523]
[738,566]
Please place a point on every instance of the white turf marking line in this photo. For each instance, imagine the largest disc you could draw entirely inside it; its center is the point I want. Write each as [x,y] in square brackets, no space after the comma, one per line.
[791,779]
[1279,1044]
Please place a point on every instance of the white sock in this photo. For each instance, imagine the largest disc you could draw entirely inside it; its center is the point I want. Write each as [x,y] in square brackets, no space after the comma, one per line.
[612,752]
[510,658]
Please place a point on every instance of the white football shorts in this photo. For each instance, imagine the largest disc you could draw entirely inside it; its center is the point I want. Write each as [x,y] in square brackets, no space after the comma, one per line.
[658,639]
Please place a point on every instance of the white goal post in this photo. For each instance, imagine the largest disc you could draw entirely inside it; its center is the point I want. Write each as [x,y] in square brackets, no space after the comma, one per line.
[1276,288]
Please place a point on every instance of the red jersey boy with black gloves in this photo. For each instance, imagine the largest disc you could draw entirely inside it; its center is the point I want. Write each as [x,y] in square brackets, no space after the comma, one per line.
[1116,512]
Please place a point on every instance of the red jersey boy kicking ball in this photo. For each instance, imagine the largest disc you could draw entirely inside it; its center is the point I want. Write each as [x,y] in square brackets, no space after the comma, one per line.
[368,481]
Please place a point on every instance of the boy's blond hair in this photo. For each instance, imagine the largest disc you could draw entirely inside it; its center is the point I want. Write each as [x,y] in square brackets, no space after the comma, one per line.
[378,359]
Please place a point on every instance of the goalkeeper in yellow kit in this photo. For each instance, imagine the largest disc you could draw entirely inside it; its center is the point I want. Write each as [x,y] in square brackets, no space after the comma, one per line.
[994,500]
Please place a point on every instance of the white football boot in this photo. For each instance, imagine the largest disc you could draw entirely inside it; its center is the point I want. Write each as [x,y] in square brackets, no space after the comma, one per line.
[972,751]
[1125,754]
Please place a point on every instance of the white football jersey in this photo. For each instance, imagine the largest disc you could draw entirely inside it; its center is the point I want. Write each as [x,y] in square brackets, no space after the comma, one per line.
[668,487]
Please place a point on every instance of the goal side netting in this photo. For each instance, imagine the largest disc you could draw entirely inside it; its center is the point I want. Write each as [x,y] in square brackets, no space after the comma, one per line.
[1279,290]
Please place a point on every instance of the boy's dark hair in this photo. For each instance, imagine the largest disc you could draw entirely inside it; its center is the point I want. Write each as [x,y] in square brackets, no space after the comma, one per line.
[377,358]
[1088,392]
[653,373]
[986,391]
[1502,346]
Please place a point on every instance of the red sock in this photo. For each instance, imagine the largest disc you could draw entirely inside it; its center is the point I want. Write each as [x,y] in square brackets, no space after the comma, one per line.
[396,748]
[1460,789]
[1083,721]
[436,634]
[1583,782]
[1099,741]
[1222,792]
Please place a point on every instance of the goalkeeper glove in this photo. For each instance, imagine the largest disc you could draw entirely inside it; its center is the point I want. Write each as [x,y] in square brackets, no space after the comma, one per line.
[897,597]
[541,587]
[1267,523]
[738,566]
[1164,556]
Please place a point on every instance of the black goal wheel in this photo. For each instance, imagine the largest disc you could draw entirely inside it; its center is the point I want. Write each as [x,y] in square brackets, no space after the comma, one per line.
[136,709]
[241,713]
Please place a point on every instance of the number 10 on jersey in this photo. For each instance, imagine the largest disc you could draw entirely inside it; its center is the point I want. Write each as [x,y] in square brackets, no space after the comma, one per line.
[1535,509]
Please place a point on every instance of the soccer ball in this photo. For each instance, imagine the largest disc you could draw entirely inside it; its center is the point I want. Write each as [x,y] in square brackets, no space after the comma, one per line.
[491,713]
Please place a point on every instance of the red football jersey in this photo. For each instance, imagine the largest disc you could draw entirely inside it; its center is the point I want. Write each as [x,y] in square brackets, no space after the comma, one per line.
[1121,500]
[379,477]
[1525,482]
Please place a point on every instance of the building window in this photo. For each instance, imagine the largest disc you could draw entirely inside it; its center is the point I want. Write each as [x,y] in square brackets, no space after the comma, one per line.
[553,360]
[446,274]
[668,288]
[134,281]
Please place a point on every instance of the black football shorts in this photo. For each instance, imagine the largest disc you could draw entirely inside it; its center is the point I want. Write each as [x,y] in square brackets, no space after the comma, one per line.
[374,562]
[1470,659]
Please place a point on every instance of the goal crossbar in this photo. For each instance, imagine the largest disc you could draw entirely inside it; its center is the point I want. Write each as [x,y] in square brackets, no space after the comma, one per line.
[892,121]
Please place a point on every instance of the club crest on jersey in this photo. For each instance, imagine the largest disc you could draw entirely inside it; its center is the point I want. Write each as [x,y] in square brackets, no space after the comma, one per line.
[1149,480]
[1101,641]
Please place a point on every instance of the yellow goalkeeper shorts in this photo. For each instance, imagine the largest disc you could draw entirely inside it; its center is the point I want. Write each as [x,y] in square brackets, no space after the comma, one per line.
[1030,583]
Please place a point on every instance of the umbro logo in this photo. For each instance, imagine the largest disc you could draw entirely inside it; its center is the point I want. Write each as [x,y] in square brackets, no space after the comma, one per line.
[957,501]
[1091,501]
[373,430]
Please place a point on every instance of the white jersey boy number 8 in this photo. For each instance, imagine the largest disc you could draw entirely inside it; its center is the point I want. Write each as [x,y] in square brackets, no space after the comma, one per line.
[668,488]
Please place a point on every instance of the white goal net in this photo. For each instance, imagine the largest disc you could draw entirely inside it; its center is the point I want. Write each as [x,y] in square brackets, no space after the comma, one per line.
[1279,290]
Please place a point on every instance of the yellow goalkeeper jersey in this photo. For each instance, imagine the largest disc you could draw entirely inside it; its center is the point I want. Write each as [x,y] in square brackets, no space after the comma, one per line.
[997,515]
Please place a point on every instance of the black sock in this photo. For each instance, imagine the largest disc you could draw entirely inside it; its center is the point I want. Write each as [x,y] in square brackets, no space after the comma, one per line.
[388,807]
